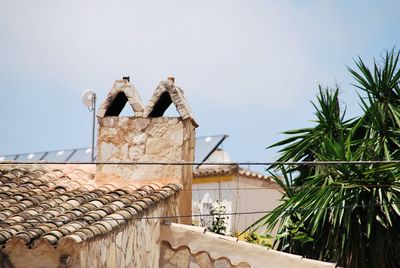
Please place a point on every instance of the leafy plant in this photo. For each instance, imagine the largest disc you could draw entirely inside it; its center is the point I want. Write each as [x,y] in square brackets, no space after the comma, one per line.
[349,214]
[254,238]
[219,219]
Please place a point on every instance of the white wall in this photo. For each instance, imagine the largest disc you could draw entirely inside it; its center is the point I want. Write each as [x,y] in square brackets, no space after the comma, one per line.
[245,194]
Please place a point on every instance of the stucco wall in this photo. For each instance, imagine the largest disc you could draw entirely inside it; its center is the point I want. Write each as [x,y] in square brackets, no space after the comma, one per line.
[245,195]
[186,246]
[255,196]
[16,254]
[182,257]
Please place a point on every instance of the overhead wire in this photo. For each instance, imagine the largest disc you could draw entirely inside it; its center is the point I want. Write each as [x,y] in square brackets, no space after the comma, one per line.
[338,185]
[275,163]
[311,163]
[210,214]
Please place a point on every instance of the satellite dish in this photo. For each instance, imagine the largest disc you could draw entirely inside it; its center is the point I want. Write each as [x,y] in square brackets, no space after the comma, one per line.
[88,98]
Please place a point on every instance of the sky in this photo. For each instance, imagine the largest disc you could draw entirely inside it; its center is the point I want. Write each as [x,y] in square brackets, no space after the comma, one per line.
[248,68]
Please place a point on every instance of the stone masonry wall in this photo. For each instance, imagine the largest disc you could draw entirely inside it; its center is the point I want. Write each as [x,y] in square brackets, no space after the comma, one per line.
[133,245]
[138,139]
[185,195]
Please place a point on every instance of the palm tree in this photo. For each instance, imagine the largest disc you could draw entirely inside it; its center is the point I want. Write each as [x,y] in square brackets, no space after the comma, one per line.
[349,214]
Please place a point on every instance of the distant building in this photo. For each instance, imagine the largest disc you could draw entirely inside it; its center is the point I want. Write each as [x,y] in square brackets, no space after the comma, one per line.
[240,190]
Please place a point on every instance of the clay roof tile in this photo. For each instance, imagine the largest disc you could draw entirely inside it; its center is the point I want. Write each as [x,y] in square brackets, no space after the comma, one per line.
[52,239]
[58,204]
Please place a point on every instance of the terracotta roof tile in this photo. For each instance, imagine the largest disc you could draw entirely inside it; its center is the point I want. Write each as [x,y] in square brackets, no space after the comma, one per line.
[228,170]
[36,204]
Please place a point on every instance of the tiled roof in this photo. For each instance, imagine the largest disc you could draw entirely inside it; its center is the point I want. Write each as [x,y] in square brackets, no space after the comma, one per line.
[228,170]
[38,204]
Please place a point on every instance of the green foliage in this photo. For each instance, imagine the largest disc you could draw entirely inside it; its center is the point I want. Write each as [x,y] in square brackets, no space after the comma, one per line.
[258,239]
[219,219]
[349,214]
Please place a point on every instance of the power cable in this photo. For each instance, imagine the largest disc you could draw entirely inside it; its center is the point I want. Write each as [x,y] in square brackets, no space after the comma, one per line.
[297,187]
[277,163]
[206,215]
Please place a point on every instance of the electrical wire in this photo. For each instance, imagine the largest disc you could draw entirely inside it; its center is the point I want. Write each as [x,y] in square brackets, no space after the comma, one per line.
[233,188]
[166,217]
[276,163]
[347,185]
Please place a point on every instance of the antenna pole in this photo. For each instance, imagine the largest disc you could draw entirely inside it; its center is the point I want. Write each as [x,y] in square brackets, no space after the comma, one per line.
[94,123]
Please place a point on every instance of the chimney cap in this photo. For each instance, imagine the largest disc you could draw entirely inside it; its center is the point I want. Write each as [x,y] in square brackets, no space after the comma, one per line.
[127,78]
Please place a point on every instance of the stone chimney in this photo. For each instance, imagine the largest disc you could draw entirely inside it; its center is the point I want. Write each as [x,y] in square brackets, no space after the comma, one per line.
[147,137]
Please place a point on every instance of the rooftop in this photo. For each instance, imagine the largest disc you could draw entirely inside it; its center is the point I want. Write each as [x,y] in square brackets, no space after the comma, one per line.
[58,203]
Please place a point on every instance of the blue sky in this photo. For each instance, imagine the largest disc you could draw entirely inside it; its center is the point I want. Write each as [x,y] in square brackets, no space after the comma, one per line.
[249,68]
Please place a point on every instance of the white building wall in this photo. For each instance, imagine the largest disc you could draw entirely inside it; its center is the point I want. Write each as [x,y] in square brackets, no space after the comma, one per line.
[245,195]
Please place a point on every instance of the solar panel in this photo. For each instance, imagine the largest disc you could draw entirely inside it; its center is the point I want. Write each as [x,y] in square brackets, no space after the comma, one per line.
[204,148]
[8,157]
[206,145]
[81,155]
[29,157]
[58,156]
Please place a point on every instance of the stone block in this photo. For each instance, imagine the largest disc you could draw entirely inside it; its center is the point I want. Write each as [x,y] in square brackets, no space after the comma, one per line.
[136,138]
[174,135]
[156,146]
[108,122]
[123,122]
[107,150]
[139,124]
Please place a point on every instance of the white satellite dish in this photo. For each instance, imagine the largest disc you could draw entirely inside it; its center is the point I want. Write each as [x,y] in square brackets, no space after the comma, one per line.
[88,98]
